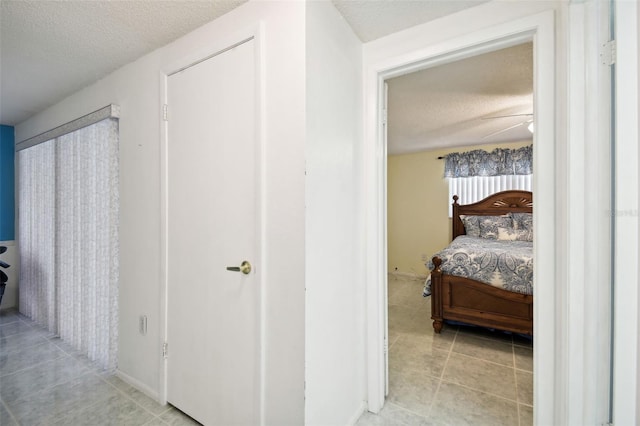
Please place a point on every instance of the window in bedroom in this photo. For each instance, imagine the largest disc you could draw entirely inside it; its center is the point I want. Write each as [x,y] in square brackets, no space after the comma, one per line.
[474,175]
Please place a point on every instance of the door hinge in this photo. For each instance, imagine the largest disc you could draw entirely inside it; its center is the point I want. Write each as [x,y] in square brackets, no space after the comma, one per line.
[165,114]
[608,53]
[386,345]
[384,116]
[165,350]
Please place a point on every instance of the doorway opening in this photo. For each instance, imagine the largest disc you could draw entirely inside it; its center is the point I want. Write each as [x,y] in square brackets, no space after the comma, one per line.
[480,104]
[539,31]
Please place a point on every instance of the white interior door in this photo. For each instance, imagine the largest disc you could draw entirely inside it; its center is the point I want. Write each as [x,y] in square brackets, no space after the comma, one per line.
[213,313]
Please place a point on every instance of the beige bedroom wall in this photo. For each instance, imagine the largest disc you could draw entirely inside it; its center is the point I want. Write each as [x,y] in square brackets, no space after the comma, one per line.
[417,219]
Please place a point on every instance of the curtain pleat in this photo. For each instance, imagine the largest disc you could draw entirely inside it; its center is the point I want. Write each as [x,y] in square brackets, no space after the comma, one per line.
[36,228]
[80,194]
[498,162]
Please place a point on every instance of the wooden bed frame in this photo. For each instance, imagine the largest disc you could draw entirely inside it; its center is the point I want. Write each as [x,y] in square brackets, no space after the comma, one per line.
[472,302]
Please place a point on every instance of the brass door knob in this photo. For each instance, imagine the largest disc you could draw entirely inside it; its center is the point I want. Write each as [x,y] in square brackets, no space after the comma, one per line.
[245,268]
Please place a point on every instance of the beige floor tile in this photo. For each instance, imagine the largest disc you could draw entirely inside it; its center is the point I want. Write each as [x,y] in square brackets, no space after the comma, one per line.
[15,327]
[42,376]
[400,318]
[456,405]
[481,375]
[5,416]
[487,349]
[412,390]
[156,421]
[28,357]
[447,333]
[430,339]
[524,358]
[392,340]
[477,366]
[44,381]
[116,410]
[422,315]
[20,341]
[393,336]
[405,320]
[526,415]
[525,387]
[394,414]
[370,419]
[52,405]
[409,355]
[407,293]
[9,315]
[140,398]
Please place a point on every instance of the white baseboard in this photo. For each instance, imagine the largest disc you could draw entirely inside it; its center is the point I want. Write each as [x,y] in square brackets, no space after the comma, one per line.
[138,385]
[411,275]
[354,419]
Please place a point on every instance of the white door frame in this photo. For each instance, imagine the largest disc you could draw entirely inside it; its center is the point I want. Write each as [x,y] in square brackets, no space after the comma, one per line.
[626,383]
[541,29]
[211,49]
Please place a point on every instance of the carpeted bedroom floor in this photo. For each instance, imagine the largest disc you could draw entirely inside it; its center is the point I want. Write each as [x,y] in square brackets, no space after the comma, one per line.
[464,376]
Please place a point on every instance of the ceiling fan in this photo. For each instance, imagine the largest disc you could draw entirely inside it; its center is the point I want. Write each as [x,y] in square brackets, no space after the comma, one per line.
[528,123]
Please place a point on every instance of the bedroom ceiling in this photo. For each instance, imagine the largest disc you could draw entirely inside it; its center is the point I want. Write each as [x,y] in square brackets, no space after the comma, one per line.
[51,49]
[449,105]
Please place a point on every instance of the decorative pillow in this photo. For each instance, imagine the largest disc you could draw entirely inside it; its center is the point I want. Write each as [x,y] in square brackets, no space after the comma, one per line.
[523,222]
[471,225]
[510,234]
[489,225]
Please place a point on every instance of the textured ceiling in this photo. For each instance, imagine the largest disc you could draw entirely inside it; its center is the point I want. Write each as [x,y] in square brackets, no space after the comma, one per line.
[372,19]
[447,105]
[50,49]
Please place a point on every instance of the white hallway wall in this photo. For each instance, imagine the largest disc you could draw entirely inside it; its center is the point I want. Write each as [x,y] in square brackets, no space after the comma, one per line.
[334,334]
[136,88]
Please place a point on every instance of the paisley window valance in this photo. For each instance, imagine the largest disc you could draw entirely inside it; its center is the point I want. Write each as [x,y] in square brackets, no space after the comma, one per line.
[499,162]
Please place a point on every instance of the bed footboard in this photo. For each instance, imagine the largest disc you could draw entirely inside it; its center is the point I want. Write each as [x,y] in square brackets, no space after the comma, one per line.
[469,301]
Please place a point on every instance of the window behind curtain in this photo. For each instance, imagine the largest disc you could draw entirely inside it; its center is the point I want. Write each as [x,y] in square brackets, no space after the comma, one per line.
[475,188]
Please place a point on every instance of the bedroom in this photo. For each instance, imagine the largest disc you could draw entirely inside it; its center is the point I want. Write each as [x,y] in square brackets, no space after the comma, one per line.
[433,113]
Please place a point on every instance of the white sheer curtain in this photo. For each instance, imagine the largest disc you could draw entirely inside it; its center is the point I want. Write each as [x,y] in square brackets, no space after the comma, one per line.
[80,278]
[36,233]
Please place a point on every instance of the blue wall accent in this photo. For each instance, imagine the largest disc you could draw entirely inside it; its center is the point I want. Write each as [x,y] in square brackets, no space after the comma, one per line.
[7,183]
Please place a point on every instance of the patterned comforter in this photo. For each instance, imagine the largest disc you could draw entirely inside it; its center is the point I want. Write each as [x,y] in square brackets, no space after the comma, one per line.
[504,264]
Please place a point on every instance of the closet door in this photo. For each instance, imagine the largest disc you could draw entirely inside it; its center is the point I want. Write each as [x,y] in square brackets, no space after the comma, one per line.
[213,299]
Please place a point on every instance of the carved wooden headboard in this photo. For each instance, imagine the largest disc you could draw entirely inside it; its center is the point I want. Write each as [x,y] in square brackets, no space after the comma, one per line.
[499,203]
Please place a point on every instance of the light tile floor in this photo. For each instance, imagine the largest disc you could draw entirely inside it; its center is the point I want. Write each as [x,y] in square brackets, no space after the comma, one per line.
[464,376]
[45,382]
